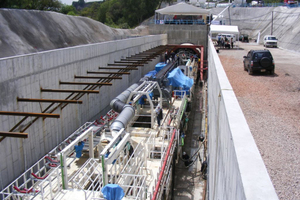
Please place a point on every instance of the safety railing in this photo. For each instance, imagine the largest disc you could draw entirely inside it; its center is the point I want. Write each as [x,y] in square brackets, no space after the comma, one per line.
[132,178]
[181,22]
[40,180]
[88,178]
[164,171]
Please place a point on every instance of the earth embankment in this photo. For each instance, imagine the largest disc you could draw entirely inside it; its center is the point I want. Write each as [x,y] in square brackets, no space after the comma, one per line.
[29,31]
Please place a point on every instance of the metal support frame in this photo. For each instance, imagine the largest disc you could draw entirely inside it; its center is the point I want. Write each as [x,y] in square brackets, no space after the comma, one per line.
[28,114]
[49,100]
[118,73]
[120,68]
[144,89]
[69,91]
[13,134]
[124,64]
[97,77]
[66,151]
[83,83]
[111,152]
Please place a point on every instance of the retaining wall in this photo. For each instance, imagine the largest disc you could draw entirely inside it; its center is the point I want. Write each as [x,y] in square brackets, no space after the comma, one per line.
[236,169]
[23,76]
[179,34]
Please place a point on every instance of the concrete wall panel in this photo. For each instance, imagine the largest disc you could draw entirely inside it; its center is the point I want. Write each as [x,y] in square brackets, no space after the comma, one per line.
[22,76]
[236,169]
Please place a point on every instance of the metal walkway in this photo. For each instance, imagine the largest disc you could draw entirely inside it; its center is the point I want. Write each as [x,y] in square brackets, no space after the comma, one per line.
[189,182]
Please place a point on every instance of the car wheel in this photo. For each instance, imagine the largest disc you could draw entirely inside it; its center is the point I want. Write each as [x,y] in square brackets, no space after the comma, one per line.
[250,72]
[272,72]
[265,62]
[245,69]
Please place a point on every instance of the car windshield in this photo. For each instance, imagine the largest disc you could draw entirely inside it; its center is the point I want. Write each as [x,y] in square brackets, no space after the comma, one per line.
[272,38]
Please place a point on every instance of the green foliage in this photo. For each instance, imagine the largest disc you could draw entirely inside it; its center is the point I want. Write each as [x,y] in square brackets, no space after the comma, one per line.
[115,13]
[91,11]
[66,9]
[71,13]
[53,5]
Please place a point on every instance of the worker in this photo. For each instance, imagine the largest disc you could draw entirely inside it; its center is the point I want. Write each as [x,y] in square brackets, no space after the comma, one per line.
[186,159]
[78,149]
[166,56]
[159,114]
[173,55]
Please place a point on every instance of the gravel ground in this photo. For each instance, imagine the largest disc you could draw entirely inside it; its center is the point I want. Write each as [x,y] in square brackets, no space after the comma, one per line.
[271,105]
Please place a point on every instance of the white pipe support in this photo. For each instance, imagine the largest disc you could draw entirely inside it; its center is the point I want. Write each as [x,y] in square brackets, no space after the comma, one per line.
[112,142]
[120,147]
[82,137]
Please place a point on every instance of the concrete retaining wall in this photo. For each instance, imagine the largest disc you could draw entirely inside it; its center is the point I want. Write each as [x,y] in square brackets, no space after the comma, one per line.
[236,169]
[178,34]
[23,76]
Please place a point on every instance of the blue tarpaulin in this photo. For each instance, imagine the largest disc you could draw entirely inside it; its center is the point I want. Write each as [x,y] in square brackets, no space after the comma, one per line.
[151,73]
[159,66]
[112,192]
[178,79]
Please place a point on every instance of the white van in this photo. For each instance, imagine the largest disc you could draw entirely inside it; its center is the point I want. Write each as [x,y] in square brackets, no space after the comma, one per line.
[270,41]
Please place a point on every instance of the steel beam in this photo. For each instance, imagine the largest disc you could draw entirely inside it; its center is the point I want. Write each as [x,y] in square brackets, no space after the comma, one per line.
[135,59]
[69,91]
[128,68]
[134,62]
[50,115]
[96,77]
[49,100]
[124,64]
[13,134]
[121,73]
[83,83]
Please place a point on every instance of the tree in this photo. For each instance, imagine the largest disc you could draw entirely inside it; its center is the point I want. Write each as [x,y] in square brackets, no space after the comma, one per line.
[31,4]
[68,10]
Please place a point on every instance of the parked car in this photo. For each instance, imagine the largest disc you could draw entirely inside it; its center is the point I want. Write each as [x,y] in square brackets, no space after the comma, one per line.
[270,41]
[259,61]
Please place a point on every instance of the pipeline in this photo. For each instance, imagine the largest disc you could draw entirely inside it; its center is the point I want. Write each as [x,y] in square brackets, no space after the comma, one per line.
[163,167]
[118,103]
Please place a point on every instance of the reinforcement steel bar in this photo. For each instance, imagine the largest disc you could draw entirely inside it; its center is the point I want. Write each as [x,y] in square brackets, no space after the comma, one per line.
[124,64]
[134,59]
[96,77]
[134,62]
[83,83]
[69,91]
[119,68]
[13,134]
[30,114]
[49,100]
[92,72]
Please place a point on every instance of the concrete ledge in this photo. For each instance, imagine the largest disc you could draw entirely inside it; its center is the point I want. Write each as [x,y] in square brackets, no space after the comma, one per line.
[236,169]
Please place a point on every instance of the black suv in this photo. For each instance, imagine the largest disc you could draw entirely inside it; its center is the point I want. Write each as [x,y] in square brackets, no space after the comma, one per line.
[259,60]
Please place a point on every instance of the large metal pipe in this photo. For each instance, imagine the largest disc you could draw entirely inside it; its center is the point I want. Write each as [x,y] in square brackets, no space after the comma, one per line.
[122,120]
[118,103]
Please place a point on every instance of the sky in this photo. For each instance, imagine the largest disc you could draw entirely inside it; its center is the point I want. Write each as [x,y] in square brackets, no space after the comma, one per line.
[69,2]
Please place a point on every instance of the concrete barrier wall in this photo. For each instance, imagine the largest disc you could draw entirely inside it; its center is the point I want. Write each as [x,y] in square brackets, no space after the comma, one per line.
[23,76]
[236,169]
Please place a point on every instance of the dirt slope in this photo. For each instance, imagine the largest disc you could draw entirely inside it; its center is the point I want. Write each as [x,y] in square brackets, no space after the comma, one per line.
[28,31]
